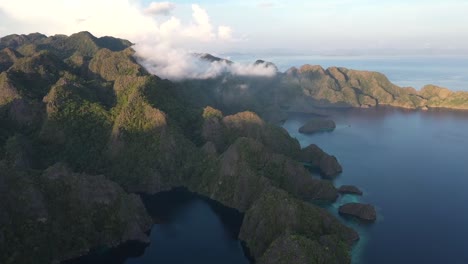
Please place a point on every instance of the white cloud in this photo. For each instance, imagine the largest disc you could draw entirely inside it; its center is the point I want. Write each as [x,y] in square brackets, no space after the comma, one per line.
[160,8]
[170,28]
[161,46]
[225,33]
[201,28]
[177,64]
[121,18]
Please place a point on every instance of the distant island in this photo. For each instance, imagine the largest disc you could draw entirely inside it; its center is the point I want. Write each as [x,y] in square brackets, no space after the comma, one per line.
[84,129]
[341,86]
[312,89]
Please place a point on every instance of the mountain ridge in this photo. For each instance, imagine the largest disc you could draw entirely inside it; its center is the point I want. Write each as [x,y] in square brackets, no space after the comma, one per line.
[343,87]
[84,124]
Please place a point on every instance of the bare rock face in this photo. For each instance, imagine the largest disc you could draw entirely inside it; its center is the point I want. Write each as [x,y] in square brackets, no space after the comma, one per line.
[349,189]
[316,157]
[317,125]
[364,212]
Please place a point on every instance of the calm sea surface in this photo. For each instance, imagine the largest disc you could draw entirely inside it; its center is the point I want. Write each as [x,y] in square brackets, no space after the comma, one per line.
[413,166]
[414,71]
[190,229]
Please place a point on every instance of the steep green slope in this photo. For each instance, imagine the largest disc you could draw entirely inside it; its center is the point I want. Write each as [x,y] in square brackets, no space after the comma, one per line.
[54,215]
[73,107]
[223,131]
[276,214]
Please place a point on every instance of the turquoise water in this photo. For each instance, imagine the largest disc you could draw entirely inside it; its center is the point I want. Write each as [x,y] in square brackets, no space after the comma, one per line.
[413,166]
[414,71]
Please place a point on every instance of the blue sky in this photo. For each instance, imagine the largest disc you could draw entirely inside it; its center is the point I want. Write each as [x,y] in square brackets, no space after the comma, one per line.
[341,24]
[293,26]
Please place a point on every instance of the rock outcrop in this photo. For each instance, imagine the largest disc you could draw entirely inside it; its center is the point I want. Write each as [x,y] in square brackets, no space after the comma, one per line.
[223,131]
[364,212]
[349,189]
[247,168]
[317,125]
[314,156]
[276,214]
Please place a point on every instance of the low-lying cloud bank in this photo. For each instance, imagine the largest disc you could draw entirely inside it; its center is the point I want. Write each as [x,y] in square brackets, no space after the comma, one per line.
[178,64]
[163,43]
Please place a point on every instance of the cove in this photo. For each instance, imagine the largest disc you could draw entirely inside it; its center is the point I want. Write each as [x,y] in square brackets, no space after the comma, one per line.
[413,166]
[188,229]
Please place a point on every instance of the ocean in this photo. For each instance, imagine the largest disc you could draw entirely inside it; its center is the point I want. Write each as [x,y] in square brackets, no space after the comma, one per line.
[413,167]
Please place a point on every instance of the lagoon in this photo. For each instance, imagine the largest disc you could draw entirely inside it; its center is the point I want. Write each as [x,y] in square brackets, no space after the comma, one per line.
[413,166]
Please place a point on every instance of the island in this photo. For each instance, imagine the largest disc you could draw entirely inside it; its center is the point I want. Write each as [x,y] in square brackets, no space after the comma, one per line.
[349,189]
[364,212]
[317,125]
[314,157]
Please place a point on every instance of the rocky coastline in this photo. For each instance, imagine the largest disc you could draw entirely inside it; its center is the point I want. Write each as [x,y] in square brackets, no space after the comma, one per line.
[85,128]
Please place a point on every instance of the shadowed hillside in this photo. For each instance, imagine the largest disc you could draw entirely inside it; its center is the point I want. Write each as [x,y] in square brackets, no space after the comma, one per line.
[83,127]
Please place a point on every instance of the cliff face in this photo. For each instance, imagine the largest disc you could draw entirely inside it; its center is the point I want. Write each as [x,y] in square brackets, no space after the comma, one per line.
[73,107]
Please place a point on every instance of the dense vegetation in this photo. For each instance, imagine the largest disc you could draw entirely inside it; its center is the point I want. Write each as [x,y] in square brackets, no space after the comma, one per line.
[83,127]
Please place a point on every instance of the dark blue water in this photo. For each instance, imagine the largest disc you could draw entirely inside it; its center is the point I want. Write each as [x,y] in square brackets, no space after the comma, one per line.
[414,71]
[190,229]
[413,166]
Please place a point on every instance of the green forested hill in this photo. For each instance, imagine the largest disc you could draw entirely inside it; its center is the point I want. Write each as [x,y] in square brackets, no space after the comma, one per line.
[83,127]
